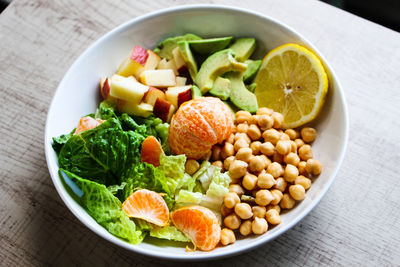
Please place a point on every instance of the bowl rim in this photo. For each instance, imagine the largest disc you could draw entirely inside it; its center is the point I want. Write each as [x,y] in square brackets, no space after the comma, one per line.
[207,255]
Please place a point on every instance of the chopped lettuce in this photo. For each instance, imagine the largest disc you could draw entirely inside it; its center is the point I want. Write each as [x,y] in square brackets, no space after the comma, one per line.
[59,142]
[106,110]
[104,207]
[168,232]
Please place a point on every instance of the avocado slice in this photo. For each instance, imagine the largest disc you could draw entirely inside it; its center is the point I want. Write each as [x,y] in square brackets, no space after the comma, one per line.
[164,48]
[196,93]
[216,65]
[240,96]
[252,87]
[209,46]
[188,57]
[252,69]
[243,48]
[221,88]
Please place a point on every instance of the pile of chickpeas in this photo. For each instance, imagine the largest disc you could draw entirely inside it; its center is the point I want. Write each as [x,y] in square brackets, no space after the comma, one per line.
[270,170]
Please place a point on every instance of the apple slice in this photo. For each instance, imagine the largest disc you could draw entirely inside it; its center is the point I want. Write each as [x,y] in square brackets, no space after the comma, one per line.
[142,110]
[165,64]
[180,63]
[127,89]
[179,94]
[180,81]
[152,94]
[151,151]
[163,109]
[130,67]
[139,54]
[158,78]
[152,61]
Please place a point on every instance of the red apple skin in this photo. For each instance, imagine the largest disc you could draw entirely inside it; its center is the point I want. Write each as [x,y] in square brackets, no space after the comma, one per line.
[139,54]
[104,88]
[184,96]
[163,109]
[150,97]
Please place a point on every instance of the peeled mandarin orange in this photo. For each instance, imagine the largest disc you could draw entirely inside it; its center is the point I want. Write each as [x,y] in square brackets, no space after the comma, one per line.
[198,125]
[199,224]
[87,123]
[147,205]
[151,151]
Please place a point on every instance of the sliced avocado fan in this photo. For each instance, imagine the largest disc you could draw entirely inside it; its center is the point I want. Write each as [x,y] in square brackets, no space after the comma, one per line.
[252,68]
[243,48]
[215,65]
[209,46]
[221,88]
[240,96]
[164,48]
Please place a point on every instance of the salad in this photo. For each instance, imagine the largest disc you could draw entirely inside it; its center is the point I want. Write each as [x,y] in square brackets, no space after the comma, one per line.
[196,142]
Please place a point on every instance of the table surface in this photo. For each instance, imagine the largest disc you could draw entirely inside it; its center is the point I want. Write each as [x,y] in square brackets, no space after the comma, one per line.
[356,223]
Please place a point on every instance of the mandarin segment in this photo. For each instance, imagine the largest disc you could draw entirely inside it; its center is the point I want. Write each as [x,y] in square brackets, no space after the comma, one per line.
[147,205]
[198,125]
[199,224]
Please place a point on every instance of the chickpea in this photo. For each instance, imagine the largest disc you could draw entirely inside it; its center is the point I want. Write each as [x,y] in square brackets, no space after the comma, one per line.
[277,157]
[274,207]
[280,184]
[207,156]
[308,134]
[227,236]
[245,228]
[237,169]
[243,210]
[273,217]
[232,221]
[259,226]
[244,154]
[256,164]
[297,192]
[216,153]
[278,120]
[242,128]
[253,120]
[234,129]
[271,135]
[287,201]
[231,139]
[277,194]
[242,116]
[305,152]
[231,199]
[236,188]
[267,148]
[266,160]
[283,147]
[293,134]
[225,211]
[264,197]
[264,111]
[313,167]
[218,164]
[292,158]
[265,180]
[299,143]
[241,142]
[258,211]
[265,122]
[254,132]
[284,137]
[293,147]
[255,147]
[228,149]
[191,166]
[290,174]
[228,161]
[302,168]
[244,136]
[303,181]
[249,181]
[275,169]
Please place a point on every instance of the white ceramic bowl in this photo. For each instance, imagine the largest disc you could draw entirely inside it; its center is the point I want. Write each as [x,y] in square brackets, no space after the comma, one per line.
[78,95]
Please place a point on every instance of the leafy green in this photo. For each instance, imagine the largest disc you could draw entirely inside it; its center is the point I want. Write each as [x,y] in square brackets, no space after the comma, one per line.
[105,154]
[168,232]
[105,208]
[59,142]
[106,110]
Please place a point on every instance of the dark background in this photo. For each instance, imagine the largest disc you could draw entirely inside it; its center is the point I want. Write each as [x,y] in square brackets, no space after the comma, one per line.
[383,12]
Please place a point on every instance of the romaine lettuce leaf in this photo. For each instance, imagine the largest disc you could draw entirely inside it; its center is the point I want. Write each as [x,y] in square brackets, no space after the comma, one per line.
[59,142]
[168,232]
[106,110]
[104,207]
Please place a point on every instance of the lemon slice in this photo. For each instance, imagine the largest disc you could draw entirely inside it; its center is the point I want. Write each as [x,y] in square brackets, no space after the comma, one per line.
[292,81]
